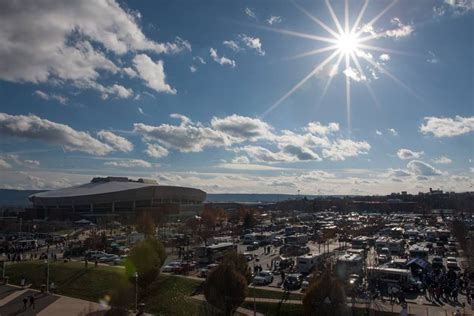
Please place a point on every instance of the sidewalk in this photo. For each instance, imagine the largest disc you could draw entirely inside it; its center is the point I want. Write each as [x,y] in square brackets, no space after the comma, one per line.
[11,303]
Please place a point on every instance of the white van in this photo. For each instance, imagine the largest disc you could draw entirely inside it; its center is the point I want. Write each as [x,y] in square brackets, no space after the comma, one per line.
[306,263]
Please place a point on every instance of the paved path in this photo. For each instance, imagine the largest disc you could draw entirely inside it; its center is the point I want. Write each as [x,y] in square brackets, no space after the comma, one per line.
[11,303]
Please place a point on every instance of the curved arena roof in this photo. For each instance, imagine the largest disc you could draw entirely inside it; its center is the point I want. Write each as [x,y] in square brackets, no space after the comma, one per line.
[105,190]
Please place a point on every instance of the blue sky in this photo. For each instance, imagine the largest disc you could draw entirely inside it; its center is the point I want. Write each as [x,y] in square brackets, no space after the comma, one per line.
[197,93]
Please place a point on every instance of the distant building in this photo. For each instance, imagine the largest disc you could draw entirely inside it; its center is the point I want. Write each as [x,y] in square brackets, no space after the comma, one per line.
[114,197]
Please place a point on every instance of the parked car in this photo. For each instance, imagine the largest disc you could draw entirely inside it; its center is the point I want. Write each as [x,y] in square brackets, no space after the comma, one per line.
[305,283]
[437,263]
[293,281]
[204,272]
[263,278]
[172,266]
[452,263]
[253,246]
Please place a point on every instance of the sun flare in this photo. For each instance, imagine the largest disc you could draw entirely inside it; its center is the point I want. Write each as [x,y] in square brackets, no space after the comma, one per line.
[348,43]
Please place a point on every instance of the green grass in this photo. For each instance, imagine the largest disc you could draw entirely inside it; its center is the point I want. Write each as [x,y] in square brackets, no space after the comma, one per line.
[169,295]
[262,293]
[71,279]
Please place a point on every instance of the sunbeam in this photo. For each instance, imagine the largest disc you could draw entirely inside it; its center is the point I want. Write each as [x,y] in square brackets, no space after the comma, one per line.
[348,43]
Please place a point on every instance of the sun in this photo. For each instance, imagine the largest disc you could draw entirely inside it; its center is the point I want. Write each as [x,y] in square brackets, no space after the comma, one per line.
[348,43]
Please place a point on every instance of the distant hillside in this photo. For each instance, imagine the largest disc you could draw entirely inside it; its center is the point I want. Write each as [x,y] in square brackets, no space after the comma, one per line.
[249,197]
[20,197]
[15,197]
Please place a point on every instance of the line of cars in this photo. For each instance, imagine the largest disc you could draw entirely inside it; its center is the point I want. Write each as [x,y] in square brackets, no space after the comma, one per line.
[180,266]
[103,257]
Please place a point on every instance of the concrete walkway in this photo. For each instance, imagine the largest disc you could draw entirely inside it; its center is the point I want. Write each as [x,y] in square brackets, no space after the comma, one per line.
[11,303]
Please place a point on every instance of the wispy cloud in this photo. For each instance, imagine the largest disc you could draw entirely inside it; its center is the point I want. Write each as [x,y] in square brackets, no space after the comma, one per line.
[221,60]
[273,19]
[446,126]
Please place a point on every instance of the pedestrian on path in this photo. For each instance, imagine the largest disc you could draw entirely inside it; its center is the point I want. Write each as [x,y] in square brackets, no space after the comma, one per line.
[25,302]
[404,310]
[32,302]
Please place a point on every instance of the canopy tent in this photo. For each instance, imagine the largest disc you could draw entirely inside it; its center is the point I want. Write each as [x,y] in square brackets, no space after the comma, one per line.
[421,263]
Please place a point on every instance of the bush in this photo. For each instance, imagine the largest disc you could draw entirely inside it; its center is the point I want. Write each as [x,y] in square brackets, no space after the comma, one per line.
[146,259]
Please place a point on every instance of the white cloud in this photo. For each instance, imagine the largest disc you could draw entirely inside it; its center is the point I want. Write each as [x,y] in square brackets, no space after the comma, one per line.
[252,43]
[274,20]
[402,30]
[354,74]
[405,154]
[140,110]
[300,152]
[248,167]
[200,60]
[156,151]
[32,163]
[322,130]
[228,131]
[4,164]
[241,160]
[43,95]
[455,7]
[242,127]
[432,59]
[222,60]
[261,154]
[10,159]
[117,142]
[384,57]
[398,173]
[378,132]
[421,168]
[36,128]
[442,160]
[343,148]
[130,72]
[152,73]
[250,13]
[186,137]
[393,131]
[129,163]
[232,45]
[446,126]
[51,40]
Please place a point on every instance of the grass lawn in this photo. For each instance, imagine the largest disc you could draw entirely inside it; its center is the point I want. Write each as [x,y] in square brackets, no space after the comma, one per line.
[169,295]
[71,279]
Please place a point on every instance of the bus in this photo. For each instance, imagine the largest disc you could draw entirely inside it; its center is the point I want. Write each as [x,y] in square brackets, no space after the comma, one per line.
[392,277]
[212,253]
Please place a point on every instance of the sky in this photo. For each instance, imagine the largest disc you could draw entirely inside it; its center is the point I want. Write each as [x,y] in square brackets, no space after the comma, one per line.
[309,97]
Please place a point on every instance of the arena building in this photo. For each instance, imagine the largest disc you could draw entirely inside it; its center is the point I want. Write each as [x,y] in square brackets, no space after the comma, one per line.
[115,197]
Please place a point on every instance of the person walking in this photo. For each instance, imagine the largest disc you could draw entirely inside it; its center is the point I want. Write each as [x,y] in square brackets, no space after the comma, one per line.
[32,301]
[25,303]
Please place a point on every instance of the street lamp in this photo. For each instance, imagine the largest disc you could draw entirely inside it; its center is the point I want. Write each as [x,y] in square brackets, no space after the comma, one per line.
[136,290]
[47,273]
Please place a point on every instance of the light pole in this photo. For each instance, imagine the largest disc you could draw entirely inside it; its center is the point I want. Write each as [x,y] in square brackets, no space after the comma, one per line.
[47,273]
[136,290]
